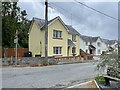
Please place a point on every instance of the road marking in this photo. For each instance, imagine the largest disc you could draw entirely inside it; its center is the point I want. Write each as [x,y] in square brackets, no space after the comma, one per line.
[79,84]
[97,85]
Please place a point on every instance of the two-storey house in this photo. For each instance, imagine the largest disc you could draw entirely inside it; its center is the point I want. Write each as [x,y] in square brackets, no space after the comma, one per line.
[92,45]
[63,40]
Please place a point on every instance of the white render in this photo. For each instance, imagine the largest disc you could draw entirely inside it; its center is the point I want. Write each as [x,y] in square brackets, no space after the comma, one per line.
[102,47]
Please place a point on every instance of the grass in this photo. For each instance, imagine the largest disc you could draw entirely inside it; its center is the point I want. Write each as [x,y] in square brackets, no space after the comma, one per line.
[100,79]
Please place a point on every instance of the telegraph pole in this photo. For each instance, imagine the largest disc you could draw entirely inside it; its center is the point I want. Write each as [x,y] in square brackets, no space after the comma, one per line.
[46,30]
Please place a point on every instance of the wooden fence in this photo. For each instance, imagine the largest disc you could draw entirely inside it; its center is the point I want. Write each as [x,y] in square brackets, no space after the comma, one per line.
[10,52]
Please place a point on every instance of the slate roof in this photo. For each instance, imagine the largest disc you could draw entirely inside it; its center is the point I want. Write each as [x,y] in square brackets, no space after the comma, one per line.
[110,42]
[89,38]
[72,30]
[41,24]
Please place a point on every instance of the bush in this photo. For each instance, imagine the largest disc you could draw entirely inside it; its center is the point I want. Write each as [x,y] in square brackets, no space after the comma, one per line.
[100,79]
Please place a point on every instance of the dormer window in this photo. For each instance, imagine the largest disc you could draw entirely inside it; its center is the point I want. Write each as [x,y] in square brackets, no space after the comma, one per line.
[73,37]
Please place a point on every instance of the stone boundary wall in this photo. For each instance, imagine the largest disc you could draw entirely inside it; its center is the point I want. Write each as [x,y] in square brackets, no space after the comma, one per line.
[40,60]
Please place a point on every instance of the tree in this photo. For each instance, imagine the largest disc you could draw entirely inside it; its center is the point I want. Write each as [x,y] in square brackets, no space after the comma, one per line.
[111,59]
[13,18]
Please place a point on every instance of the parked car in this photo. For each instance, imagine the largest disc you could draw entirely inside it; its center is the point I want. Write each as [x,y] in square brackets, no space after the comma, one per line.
[28,54]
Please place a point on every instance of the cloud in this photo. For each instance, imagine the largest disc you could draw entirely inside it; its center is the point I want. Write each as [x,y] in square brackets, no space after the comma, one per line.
[84,20]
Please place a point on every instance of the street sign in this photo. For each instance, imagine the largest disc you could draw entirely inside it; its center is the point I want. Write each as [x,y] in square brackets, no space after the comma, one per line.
[16,40]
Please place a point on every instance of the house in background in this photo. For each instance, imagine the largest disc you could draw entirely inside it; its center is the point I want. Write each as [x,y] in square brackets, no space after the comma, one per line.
[63,40]
[92,45]
[111,44]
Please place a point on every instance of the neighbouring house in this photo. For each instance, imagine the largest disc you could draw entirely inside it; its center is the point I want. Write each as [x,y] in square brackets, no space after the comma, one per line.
[63,40]
[111,44]
[92,45]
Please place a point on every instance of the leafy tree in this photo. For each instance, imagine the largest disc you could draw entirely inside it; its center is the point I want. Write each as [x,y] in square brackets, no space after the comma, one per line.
[14,19]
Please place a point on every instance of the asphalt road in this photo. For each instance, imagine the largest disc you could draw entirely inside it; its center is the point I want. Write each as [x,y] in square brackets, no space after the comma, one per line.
[48,76]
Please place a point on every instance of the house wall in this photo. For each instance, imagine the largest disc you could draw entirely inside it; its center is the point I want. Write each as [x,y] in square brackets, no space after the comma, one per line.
[35,37]
[98,47]
[84,47]
[77,43]
[37,40]
[57,25]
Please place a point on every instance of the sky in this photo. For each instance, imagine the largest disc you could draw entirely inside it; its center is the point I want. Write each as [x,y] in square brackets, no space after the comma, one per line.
[84,20]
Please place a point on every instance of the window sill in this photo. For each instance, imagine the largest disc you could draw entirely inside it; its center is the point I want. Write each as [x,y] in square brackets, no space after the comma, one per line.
[57,38]
[74,40]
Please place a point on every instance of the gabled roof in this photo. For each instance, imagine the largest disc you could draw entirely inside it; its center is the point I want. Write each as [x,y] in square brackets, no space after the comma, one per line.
[110,42]
[89,38]
[71,30]
[41,24]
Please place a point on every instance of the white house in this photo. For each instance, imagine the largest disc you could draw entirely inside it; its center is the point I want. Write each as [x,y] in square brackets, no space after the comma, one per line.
[111,43]
[92,45]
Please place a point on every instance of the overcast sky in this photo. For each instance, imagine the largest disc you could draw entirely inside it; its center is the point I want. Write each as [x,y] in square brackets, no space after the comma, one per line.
[83,19]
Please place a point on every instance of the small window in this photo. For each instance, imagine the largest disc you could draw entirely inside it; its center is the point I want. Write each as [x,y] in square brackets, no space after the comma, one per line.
[98,44]
[57,34]
[86,51]
[99,51]
[57,50]
[86,43]
[73,50]
[73,37]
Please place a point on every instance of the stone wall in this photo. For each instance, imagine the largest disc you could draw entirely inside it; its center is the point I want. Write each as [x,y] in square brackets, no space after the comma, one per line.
[39,60]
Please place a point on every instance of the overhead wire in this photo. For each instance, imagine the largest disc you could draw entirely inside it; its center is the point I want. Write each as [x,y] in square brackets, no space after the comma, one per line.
[96,10]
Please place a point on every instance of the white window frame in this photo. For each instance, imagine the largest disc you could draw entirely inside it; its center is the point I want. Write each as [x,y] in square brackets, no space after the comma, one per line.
[99,51]
[57,34]
[73,37]
[73,50]
[57,50]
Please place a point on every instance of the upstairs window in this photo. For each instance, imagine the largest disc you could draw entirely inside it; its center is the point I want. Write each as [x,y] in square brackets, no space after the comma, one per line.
[73,37]
[98,44]
[57,34]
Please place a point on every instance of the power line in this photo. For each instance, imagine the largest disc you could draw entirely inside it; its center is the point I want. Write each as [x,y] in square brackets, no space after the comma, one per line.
[51,4]
[97,10]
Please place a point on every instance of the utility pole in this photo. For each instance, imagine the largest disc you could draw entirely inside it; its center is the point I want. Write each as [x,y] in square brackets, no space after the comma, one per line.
[16,42]
[46,30]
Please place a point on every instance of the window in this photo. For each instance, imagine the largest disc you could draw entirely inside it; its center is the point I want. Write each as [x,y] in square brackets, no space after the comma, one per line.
[73,50]
[57,50]
[57,34]
[99,51]
[86,51]
[86,43]
[73,37]
[90,43]
[98,44]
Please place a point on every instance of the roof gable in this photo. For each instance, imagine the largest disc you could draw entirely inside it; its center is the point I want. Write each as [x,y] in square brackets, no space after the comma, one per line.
[89,38]
[41,24]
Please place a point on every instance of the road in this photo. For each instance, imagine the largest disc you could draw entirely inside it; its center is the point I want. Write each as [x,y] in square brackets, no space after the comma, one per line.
[48,76]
